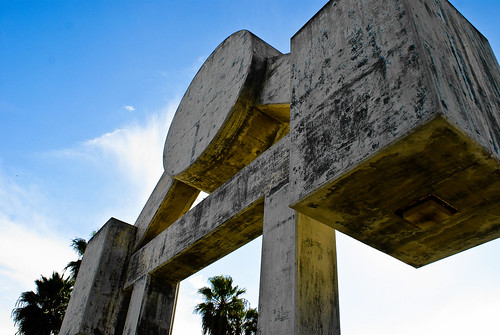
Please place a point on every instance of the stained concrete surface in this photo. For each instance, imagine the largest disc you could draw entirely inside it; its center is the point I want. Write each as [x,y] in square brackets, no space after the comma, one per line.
[216,117]
[393,101]
[169,201]
[299,285]
[152,307]
[387,103]
[98,303]
[437,159]
[225,220]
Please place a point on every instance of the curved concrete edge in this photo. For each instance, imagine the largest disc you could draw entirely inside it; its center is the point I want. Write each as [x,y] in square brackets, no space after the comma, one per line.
[213,91]
[245,134]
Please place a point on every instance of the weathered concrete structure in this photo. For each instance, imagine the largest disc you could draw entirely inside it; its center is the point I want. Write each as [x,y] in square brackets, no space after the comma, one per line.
[383,122]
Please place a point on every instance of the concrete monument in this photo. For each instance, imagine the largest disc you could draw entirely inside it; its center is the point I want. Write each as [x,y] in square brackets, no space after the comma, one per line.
[383,122]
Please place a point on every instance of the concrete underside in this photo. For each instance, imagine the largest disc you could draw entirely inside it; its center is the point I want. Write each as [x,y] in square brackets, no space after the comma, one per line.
[435,159]
[169,201]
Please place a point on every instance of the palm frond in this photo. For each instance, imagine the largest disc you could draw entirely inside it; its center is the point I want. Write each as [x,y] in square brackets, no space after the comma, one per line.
[79,245]
[41,312]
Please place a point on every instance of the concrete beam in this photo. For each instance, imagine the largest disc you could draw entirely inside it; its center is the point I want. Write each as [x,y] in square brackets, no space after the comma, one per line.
[98,305]
[224,221]
[169,201]
[449,184]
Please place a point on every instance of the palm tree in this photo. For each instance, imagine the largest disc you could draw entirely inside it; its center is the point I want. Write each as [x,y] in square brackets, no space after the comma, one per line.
[41,312]
[250,319]
[222,310]
[79,245]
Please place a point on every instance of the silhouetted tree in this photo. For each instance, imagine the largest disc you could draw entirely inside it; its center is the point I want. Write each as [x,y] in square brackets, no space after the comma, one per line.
[250,319]
[42,312]
[79,245]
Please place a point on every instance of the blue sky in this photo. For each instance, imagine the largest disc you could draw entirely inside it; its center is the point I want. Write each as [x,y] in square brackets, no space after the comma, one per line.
[87,91]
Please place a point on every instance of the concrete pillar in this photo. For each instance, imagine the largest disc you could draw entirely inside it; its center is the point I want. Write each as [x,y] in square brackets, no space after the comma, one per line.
[152,307]
[98,303]
[298,284]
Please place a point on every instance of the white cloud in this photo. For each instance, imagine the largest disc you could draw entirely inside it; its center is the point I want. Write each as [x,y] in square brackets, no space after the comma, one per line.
[30,245]
[136,153]
[30,241]
[381,295]
[137,149]
[129,160]
[6,324]
[197,281]
[129,108]
[26,252]
[186,322]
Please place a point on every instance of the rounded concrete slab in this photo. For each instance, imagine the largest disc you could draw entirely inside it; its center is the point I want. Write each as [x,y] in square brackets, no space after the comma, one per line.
[216,130]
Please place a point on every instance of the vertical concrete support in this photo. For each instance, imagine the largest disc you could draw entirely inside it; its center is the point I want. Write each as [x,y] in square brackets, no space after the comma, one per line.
[298,284]
[277,275]
[317,305]
[152,307]
[98,303]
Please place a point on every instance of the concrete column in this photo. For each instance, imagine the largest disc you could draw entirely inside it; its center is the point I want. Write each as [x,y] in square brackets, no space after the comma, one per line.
[298,284]
[152,307]
[98,303]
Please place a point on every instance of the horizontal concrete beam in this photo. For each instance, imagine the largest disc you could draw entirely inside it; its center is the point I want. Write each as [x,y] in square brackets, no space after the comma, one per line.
[169,201]
[227,219]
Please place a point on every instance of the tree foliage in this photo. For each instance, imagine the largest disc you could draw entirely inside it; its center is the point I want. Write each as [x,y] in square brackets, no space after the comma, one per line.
[224,311]
[250,321]
[41,312]
[79,245]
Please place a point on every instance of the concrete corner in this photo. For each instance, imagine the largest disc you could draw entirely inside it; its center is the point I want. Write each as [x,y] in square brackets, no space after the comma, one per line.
[98,304]
[386,111]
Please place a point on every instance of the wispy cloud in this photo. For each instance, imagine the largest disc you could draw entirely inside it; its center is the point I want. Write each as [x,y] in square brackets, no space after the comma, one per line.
[25,227]
[136,150]
[131,154]
[26,252]
[129,108]
[29,244]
